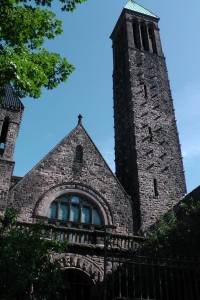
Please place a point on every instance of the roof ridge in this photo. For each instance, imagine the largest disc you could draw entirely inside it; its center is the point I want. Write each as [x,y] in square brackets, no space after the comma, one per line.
[134,6]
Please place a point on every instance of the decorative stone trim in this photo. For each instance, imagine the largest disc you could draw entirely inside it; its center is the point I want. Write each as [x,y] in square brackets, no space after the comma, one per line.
[44,202]
[80,262]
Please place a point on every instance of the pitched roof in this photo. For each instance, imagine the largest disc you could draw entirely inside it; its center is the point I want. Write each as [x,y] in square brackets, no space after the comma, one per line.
[131,5]
[11,100]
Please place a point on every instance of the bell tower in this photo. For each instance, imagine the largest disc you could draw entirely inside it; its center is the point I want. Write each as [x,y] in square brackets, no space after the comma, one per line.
[11,110]
[147,150]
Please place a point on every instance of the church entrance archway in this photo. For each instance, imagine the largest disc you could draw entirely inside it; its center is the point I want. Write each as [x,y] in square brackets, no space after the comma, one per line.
[77,285]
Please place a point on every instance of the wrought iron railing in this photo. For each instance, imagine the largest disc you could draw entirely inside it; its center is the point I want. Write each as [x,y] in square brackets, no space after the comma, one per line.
[141,277]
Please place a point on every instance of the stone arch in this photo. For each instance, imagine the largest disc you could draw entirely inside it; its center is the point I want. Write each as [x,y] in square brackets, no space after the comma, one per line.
[82,263]
[44,202]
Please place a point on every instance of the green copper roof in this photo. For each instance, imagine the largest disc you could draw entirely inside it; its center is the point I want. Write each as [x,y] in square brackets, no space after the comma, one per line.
[139,9]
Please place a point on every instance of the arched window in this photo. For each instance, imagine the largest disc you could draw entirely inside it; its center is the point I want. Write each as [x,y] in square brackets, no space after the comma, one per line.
[74,208]
[3,135]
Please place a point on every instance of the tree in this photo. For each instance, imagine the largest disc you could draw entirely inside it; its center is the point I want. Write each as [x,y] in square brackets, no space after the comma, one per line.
[24,62]
[177,233]
[26,265]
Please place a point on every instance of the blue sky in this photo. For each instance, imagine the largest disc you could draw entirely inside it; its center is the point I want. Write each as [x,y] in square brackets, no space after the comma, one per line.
[86,44]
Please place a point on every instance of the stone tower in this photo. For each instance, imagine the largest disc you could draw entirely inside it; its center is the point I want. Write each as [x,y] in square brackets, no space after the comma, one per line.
[147,150]
[11,111]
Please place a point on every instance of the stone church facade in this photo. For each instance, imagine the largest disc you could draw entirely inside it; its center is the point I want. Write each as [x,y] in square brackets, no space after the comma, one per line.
[73,189]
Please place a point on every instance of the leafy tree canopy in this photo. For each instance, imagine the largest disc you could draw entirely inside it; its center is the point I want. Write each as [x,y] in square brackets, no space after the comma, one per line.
[24,62]
[177,233]
[26,265]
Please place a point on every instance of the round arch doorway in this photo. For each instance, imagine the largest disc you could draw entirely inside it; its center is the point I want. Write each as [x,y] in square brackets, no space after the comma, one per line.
[77,285]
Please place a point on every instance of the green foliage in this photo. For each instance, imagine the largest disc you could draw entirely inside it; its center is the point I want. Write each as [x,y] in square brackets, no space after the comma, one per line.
[24,62]
[26,265]
[176,234]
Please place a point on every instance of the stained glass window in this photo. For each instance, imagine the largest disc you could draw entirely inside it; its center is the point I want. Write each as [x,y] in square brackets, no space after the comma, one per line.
[52,212]
[63,212]
[85,216]
[74,208]
[74,213]
[96,217]
[75,199]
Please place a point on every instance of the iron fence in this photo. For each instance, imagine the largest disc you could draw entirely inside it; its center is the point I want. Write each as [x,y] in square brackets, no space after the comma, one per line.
[140,277]
[128,276]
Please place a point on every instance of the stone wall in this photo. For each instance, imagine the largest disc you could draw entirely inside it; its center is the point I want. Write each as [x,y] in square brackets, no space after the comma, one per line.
[15,180]
[6,169]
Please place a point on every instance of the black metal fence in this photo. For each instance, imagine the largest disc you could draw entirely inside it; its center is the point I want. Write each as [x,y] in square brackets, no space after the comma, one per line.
[139,277]
[131,277]
[127,276]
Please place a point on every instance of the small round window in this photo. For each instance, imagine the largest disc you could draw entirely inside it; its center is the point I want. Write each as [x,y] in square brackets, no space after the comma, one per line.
[74,208]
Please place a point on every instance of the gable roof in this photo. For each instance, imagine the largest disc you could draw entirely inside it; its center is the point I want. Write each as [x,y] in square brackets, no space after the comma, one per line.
[11,100]
[131,5]
[77,132]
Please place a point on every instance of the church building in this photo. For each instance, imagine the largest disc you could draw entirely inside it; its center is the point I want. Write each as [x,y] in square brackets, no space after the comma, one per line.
[73,189]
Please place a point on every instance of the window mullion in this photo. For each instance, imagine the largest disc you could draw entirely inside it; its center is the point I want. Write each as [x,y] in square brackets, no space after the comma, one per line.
[70,207]
[58,210]
[80,212]
[91,214]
